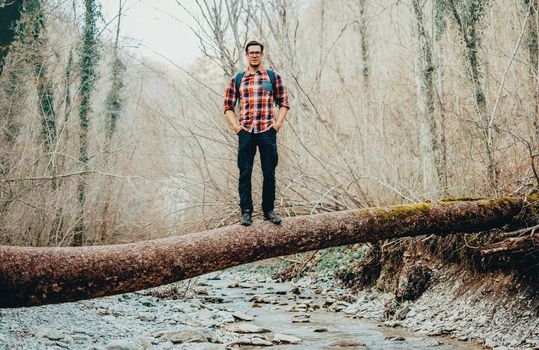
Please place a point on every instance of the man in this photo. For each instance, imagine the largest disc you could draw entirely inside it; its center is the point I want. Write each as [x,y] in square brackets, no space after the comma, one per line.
[257,91]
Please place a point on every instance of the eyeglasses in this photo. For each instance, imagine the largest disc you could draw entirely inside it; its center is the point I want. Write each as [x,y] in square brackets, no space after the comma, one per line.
[254,53]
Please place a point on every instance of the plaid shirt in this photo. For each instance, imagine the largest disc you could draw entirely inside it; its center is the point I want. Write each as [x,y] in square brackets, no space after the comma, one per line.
[256,99]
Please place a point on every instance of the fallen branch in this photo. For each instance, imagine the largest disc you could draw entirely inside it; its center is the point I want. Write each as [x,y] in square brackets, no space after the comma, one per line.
[34,276]
[514,245]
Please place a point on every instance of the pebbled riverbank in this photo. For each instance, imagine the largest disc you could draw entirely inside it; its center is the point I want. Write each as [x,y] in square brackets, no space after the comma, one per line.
[232,309]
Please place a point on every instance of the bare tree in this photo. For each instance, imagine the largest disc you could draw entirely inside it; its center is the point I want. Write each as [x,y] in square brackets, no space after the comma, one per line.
[532,38]
[88,66]
[425,72]
[214,27]
[468,16]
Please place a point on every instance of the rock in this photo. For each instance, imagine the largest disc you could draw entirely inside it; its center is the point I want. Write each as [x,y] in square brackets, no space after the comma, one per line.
[260,342]
[329,301]
[193,335]
[320,330]
[62,344]
[339,306]
[250,341]
[279,338]
[431,342]
[234,284]
[301,320]
[205,346]
[147,303]
[80,338]
[49,333]
[248,285]
[123,345]
[242,316]
[225,317]
[281,291]
[532,341]
[346,343]
[213,299]
[490,343]
[482,320]
[398,338]
[167,345]
[295,290]
[402,311]
[448,330]
[147,316]
[146,343]
[109,318]
[392,324]
[500,348]
[435,332]
[246,328]
[259,299]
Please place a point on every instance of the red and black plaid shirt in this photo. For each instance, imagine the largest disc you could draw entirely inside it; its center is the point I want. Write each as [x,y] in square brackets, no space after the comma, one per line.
[256,99]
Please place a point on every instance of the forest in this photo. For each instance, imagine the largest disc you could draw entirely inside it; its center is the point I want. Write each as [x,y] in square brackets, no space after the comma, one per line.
[391,102]
[409,119]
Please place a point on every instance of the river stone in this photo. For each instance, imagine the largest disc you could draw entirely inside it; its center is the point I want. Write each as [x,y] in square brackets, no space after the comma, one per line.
[49,333]
[398,338]
[123,345]
[279,338]
[207,346]
[260,342]
[402,312]
[260,299]
[242,316]
[346,343]
[147,316]
[250,341]
[320,330]
[193,335]
[301,320]
[431,342]
[245,328]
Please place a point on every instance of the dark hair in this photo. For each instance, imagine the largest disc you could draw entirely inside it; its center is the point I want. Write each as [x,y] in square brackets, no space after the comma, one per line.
[253,43]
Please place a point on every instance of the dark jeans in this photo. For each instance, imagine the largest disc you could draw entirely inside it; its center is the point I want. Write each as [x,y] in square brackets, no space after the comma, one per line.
[267,146]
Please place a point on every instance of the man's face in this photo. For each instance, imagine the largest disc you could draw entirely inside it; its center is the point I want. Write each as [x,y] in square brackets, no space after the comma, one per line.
[254,55]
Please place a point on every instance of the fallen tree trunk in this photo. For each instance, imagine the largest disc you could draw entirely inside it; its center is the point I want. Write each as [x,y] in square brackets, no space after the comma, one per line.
[34,276]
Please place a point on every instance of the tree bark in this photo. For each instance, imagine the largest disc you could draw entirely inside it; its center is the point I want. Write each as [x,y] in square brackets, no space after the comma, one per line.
[34,276]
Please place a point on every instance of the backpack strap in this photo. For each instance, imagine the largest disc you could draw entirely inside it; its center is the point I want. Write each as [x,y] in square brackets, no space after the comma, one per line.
[237,82]
[271,74]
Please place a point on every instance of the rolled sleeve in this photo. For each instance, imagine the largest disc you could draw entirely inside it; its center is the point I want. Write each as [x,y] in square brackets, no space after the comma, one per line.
[281,98]
[230,96]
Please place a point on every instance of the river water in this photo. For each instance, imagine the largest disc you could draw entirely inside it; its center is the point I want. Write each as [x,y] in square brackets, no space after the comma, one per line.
[339,331]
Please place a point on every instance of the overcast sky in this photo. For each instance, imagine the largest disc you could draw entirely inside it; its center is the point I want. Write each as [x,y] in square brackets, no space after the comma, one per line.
[160,25]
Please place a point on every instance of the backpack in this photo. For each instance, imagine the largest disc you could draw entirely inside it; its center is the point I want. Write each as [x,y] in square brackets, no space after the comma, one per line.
[239,77]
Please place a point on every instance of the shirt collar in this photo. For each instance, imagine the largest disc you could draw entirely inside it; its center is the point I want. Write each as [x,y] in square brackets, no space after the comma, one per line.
[260,69]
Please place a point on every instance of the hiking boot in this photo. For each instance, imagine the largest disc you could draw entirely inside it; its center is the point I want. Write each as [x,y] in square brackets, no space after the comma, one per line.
[246,219]
[272,217]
